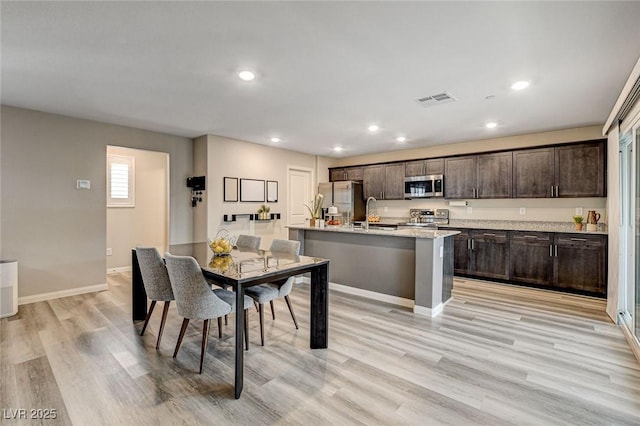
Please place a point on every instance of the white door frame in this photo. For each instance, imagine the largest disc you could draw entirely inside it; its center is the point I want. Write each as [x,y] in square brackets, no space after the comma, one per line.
[312,182]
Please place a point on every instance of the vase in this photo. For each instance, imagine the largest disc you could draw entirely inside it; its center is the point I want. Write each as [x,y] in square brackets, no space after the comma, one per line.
[312,222]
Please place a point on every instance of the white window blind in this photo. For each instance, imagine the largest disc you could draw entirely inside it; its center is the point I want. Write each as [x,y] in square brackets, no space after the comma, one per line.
[120,181]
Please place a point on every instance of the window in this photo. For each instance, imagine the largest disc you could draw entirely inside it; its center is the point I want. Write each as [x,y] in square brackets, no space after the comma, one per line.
[120,181]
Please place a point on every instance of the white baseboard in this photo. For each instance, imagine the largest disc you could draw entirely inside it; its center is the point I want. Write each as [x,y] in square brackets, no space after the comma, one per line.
[118,270]
[428,312]
[62,293]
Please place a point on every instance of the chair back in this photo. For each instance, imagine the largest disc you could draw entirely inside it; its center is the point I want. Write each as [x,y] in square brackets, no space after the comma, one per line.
[285,246]
[154,274]
[194,297]
[248,241]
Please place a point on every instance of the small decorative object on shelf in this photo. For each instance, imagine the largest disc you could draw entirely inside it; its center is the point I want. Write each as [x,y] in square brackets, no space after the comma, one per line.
[577,220]
[222,244]
[263,212]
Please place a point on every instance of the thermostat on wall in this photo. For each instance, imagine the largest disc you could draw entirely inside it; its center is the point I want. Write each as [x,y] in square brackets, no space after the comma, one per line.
[83,184]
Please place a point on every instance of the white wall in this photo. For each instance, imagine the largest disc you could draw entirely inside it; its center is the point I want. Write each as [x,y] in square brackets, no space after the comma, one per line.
[234,158]
[58,233]
[145,223]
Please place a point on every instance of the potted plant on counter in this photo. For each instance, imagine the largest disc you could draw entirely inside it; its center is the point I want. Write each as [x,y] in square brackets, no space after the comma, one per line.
[577,220]
[315,209]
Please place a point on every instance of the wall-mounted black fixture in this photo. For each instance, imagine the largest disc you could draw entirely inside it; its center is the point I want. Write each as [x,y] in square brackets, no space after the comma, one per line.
[197,185]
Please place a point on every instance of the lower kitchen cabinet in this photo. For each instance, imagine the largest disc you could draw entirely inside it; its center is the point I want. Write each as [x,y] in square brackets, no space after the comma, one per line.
[565,262]
[531,260]
[581,262]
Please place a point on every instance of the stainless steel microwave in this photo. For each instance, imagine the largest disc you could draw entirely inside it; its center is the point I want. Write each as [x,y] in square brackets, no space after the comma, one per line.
[423,186]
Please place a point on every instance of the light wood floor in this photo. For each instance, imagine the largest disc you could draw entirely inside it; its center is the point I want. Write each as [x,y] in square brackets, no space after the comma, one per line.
[493,357]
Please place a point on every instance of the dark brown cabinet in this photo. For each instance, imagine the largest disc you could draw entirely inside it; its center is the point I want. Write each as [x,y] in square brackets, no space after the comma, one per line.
[576,170]
[346,173]
[489,255]
[531,257]
[433,166]
[479,176]
[581,263]
[481,253]
[384,182]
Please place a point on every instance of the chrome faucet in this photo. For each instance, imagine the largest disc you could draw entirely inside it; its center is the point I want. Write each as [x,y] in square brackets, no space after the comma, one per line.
[366,222]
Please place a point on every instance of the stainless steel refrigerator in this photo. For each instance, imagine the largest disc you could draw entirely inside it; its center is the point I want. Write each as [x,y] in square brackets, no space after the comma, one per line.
[346,196]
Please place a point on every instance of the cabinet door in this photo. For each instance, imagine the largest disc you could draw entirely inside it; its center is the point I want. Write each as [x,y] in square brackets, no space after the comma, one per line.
[354,173]
[461,244]
[336,175]
[394,182]
[531,257]
[434,166]
[580,170]
[414,168]
[460,177]
[489,256]
[533,173]
[494,175]
[373,181]
[580,263]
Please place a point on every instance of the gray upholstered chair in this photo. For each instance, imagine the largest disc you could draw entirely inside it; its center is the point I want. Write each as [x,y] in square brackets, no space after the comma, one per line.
[264,293]
[194,298]
[156,284]
[248,242]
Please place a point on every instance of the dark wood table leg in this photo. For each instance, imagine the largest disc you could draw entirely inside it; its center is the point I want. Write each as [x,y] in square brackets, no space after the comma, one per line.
[318,335]
[138,294]
[239,340]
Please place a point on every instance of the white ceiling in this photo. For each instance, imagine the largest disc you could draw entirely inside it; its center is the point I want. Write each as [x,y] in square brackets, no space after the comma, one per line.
[325,70]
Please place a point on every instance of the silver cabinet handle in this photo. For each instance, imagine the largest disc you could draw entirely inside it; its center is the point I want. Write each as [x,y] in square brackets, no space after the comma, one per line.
[551,191]
[487,234]
[556,250]
[579,239]
[530,236]
[472,244]
[468,244]
[557,191]
[550,250]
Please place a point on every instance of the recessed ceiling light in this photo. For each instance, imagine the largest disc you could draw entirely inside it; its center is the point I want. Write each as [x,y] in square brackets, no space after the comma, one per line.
[519,85]
[246,75]
[337,149]
[401,139]
[275,140]
[491,125]
[373,128]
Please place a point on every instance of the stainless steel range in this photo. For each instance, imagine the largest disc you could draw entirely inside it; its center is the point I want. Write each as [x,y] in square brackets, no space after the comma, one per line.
[427,218]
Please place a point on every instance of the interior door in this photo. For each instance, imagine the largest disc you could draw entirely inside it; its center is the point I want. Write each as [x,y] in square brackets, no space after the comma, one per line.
[300,193]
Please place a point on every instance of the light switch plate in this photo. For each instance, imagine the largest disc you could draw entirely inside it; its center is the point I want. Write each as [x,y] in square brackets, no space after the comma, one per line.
[523,210]
[83,184]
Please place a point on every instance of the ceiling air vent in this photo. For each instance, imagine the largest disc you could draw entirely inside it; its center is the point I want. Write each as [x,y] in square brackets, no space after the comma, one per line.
[439,99]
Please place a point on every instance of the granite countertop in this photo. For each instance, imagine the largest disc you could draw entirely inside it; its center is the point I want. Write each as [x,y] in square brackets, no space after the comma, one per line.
[406,233]
[516,225]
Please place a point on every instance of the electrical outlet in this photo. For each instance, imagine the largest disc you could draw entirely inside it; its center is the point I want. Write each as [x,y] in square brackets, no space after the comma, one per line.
[469,210]
[109,252]
[578,211]
[523,210]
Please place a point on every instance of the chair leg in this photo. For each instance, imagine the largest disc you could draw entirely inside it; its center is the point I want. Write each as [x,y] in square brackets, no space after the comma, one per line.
[219,327]
[225,320]
[256,305]
[146,320]
[246,329]
[273,313]
[261,310]
[205,335]
[164,319]
[286,298]
[185,323]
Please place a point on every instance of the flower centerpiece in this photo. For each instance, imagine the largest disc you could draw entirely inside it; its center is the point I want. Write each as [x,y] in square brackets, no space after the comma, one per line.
[315,209]
[263,212]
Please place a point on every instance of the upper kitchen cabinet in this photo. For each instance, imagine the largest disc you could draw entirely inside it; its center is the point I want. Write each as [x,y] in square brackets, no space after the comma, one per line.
[479,176]
[432,166]
[576,170]
[346,173]
[384,181]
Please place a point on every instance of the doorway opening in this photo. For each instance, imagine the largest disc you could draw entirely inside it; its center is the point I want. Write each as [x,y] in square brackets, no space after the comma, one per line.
[137,203]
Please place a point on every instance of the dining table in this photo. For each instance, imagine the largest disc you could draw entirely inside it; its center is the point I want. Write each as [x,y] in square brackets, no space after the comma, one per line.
[243,268]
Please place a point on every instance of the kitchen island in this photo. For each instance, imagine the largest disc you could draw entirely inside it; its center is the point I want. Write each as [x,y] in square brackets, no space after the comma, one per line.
[408,267]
